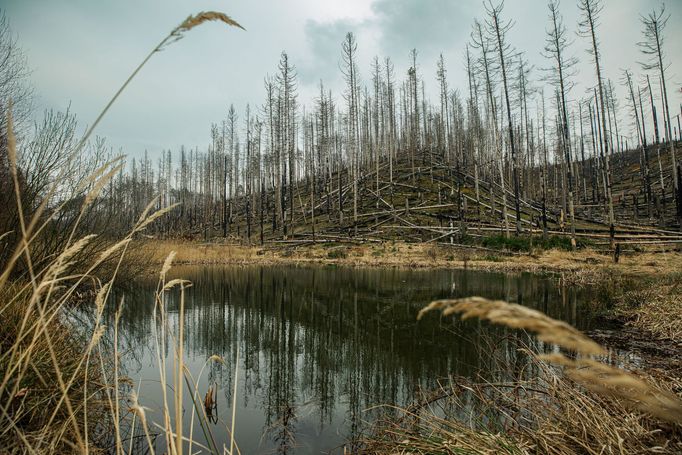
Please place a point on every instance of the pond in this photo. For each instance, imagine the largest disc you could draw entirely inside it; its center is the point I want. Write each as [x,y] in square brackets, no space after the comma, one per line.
[318,348]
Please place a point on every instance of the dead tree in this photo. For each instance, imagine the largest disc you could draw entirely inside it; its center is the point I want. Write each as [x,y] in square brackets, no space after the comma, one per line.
[652,47]
[287,127]
[350,73]
[641,135]
[591,10]
[498,30]
[555,50]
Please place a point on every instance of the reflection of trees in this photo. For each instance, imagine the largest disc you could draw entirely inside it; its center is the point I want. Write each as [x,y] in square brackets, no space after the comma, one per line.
[322,337]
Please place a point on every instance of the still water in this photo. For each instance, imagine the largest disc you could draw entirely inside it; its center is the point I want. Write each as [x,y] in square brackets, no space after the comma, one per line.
[317,348]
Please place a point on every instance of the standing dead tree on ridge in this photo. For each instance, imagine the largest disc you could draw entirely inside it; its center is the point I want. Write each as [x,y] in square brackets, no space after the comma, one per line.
[652,47]
[443,131]
[485,64]
[641,136]
[288,132]
[232,162]
[555,50]
[413,83]
[350,72]
[591,9]
[498,30]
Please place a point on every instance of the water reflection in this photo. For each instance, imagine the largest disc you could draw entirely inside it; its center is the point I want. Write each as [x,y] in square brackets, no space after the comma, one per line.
[318,346]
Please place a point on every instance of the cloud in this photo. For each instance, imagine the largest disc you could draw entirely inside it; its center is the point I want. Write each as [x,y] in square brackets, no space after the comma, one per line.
[428,26]
[324,41]
[82,50]
[393,29]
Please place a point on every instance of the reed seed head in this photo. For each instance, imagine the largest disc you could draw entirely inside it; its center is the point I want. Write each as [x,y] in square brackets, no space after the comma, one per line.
[518,317]
[206,16]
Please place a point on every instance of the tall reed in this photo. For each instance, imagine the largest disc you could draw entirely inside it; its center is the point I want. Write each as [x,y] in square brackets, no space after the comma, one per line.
[61,387]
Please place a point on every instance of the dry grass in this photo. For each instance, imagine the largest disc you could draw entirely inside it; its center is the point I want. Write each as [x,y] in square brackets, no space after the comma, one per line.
[59,383]
[580,266]
[61,388]
[573,404]
[39,353]
[655,306]
[196,253]
[206,16]
[590,373]
[549,414]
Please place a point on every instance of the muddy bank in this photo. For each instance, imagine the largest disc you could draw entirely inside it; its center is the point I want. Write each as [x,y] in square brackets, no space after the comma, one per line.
[660,358]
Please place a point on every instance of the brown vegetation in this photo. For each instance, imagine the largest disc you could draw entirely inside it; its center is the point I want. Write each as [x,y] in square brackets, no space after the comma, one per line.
[52,400]
[581,265]
[584,406]
[653,304]
[61,385]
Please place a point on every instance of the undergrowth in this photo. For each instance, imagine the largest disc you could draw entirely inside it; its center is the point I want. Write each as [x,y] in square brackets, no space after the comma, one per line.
[527,244]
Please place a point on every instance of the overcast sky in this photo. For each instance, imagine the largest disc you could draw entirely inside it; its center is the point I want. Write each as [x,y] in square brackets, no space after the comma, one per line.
[80,52]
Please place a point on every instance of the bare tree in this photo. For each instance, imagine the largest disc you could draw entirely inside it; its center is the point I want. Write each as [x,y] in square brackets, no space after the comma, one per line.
[498,30]
[350,73]
[555,50]
[14,80]
[591,10]
[652,47]
[641,135]
[390,107]
[444,124]
[287,123]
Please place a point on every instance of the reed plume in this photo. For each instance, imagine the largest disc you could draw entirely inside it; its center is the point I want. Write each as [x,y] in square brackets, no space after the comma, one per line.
[518,317]
[206,16]
[628,388]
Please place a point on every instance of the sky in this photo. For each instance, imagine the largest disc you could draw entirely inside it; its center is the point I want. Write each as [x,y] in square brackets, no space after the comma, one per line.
[80,52]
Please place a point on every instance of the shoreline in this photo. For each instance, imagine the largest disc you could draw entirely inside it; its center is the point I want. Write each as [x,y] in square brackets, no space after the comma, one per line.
[581,265]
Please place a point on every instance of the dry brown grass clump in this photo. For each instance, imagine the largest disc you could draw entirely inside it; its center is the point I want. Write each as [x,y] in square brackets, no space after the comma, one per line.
[594,375]
[549,414]
[37,355]
[580,405]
